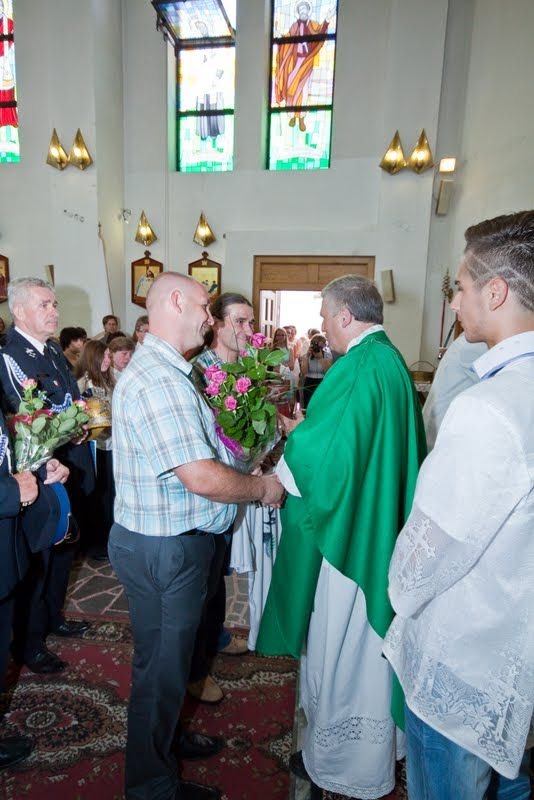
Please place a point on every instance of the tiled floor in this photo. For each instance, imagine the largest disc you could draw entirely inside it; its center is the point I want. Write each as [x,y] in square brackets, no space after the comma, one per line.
[94,589]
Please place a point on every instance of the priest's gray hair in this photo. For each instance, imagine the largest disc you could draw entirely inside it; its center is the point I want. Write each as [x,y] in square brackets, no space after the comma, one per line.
[18,290]
[358,294]
[503,247]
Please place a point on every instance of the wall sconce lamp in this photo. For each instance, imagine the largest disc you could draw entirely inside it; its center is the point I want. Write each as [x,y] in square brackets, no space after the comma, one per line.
[79,155]
[57,156]
[204,235]
[446,167]
[421,158]
[144,234]
[394,159]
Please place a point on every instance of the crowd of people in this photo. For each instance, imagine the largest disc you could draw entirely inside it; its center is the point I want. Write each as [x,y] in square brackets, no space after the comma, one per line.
[402,581]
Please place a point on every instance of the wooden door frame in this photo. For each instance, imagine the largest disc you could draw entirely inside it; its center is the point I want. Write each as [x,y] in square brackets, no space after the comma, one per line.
[304,273]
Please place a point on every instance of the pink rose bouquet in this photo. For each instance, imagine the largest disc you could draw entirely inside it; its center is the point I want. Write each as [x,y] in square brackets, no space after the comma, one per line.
[37,431]
[239,395]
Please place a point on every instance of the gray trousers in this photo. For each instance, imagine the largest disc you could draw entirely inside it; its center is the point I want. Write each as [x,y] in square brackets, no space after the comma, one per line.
[165,580]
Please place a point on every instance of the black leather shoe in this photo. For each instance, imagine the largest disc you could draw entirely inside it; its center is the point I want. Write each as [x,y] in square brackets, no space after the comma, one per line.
[197,791]
[71,627]
[197,745]
[14,749]
[44,662]
[296,765]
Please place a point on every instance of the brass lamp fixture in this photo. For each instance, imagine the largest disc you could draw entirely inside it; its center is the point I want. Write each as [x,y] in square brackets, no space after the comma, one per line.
[57,156]
[204,235]
[79,155]
[421,158]
[144,233]
[394,159]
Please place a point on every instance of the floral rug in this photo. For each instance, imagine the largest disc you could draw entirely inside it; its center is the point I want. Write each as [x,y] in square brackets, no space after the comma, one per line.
[78,718]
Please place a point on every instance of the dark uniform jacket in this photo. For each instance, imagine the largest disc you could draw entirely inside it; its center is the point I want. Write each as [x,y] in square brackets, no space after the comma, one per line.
[35,524]
[20,360]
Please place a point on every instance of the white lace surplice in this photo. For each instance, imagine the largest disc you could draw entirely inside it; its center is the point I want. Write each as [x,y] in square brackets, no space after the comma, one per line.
[350,740]
[254,547]
[462,575]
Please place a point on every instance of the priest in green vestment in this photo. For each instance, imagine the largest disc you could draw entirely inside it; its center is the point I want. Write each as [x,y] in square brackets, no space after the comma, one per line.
[350,468]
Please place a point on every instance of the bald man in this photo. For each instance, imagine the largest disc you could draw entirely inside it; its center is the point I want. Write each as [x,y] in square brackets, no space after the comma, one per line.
[175,493]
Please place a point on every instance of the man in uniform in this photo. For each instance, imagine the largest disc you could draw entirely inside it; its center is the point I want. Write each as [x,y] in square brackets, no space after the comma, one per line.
[29,352]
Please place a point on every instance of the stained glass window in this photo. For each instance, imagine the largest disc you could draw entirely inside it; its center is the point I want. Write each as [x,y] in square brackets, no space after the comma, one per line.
[9,130]
[204,36]
[302,84]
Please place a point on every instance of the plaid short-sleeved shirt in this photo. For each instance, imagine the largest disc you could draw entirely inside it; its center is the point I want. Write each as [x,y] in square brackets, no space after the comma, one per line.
[160,422]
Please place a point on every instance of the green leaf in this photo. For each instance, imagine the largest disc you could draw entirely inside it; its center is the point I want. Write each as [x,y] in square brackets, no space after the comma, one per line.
[39,423]
[67,426]
[234,369]
[226,419]
[273,358]
[269,409]
[250,438]
[259,426]
[259,373]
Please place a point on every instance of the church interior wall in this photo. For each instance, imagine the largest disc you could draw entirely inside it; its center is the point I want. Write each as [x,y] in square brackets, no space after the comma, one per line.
[487,111]
[404,65]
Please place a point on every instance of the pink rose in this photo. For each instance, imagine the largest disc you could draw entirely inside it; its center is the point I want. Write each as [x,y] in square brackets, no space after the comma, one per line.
[81,404]
[258,340]
[219,376]
[243,353]
[230,403]
[242,385]
[29,383]
[212,389]
[210,371]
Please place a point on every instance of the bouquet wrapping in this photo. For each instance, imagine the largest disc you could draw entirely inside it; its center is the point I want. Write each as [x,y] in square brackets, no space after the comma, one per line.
[38,431]
[238,393]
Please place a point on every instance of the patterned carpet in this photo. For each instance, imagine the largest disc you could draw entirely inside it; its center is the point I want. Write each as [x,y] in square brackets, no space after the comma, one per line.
[77,720]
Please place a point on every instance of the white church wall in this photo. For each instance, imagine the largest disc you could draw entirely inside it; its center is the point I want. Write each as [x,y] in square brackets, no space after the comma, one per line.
[48,216]
[388,76]
[491,68]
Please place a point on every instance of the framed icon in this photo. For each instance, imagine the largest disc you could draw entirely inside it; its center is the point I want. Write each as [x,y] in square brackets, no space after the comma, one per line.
[144,272]
[4,277]
[208,273]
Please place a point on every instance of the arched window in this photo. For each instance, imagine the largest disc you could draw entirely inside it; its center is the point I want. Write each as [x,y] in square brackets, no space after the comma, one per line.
[9,121]
[303,45]
[203,33]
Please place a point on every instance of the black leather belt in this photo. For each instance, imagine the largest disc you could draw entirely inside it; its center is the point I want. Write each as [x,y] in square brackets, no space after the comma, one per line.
[194,532]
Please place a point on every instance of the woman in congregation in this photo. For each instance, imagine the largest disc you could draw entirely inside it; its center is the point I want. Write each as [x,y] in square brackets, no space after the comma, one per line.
[313,367]
[95,379]
[285,404]
[140,329]
[121,349]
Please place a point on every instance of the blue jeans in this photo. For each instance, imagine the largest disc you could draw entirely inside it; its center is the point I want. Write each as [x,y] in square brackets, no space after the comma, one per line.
[165,580]
[438,769]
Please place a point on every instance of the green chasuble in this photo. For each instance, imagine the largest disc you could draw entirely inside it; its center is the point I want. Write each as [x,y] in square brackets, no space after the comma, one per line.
[355,460]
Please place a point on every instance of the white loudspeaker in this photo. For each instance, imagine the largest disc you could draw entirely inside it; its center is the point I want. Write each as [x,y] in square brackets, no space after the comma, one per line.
[444,197]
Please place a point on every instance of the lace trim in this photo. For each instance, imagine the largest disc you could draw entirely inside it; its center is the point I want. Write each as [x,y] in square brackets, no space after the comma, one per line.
[426,561]
[354,729]
[492,722]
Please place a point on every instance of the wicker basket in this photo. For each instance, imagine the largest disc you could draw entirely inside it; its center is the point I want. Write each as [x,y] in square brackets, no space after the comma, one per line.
[422,375]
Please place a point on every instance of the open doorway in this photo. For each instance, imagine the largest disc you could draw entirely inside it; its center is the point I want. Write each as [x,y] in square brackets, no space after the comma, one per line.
[298,308]
[275,276]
